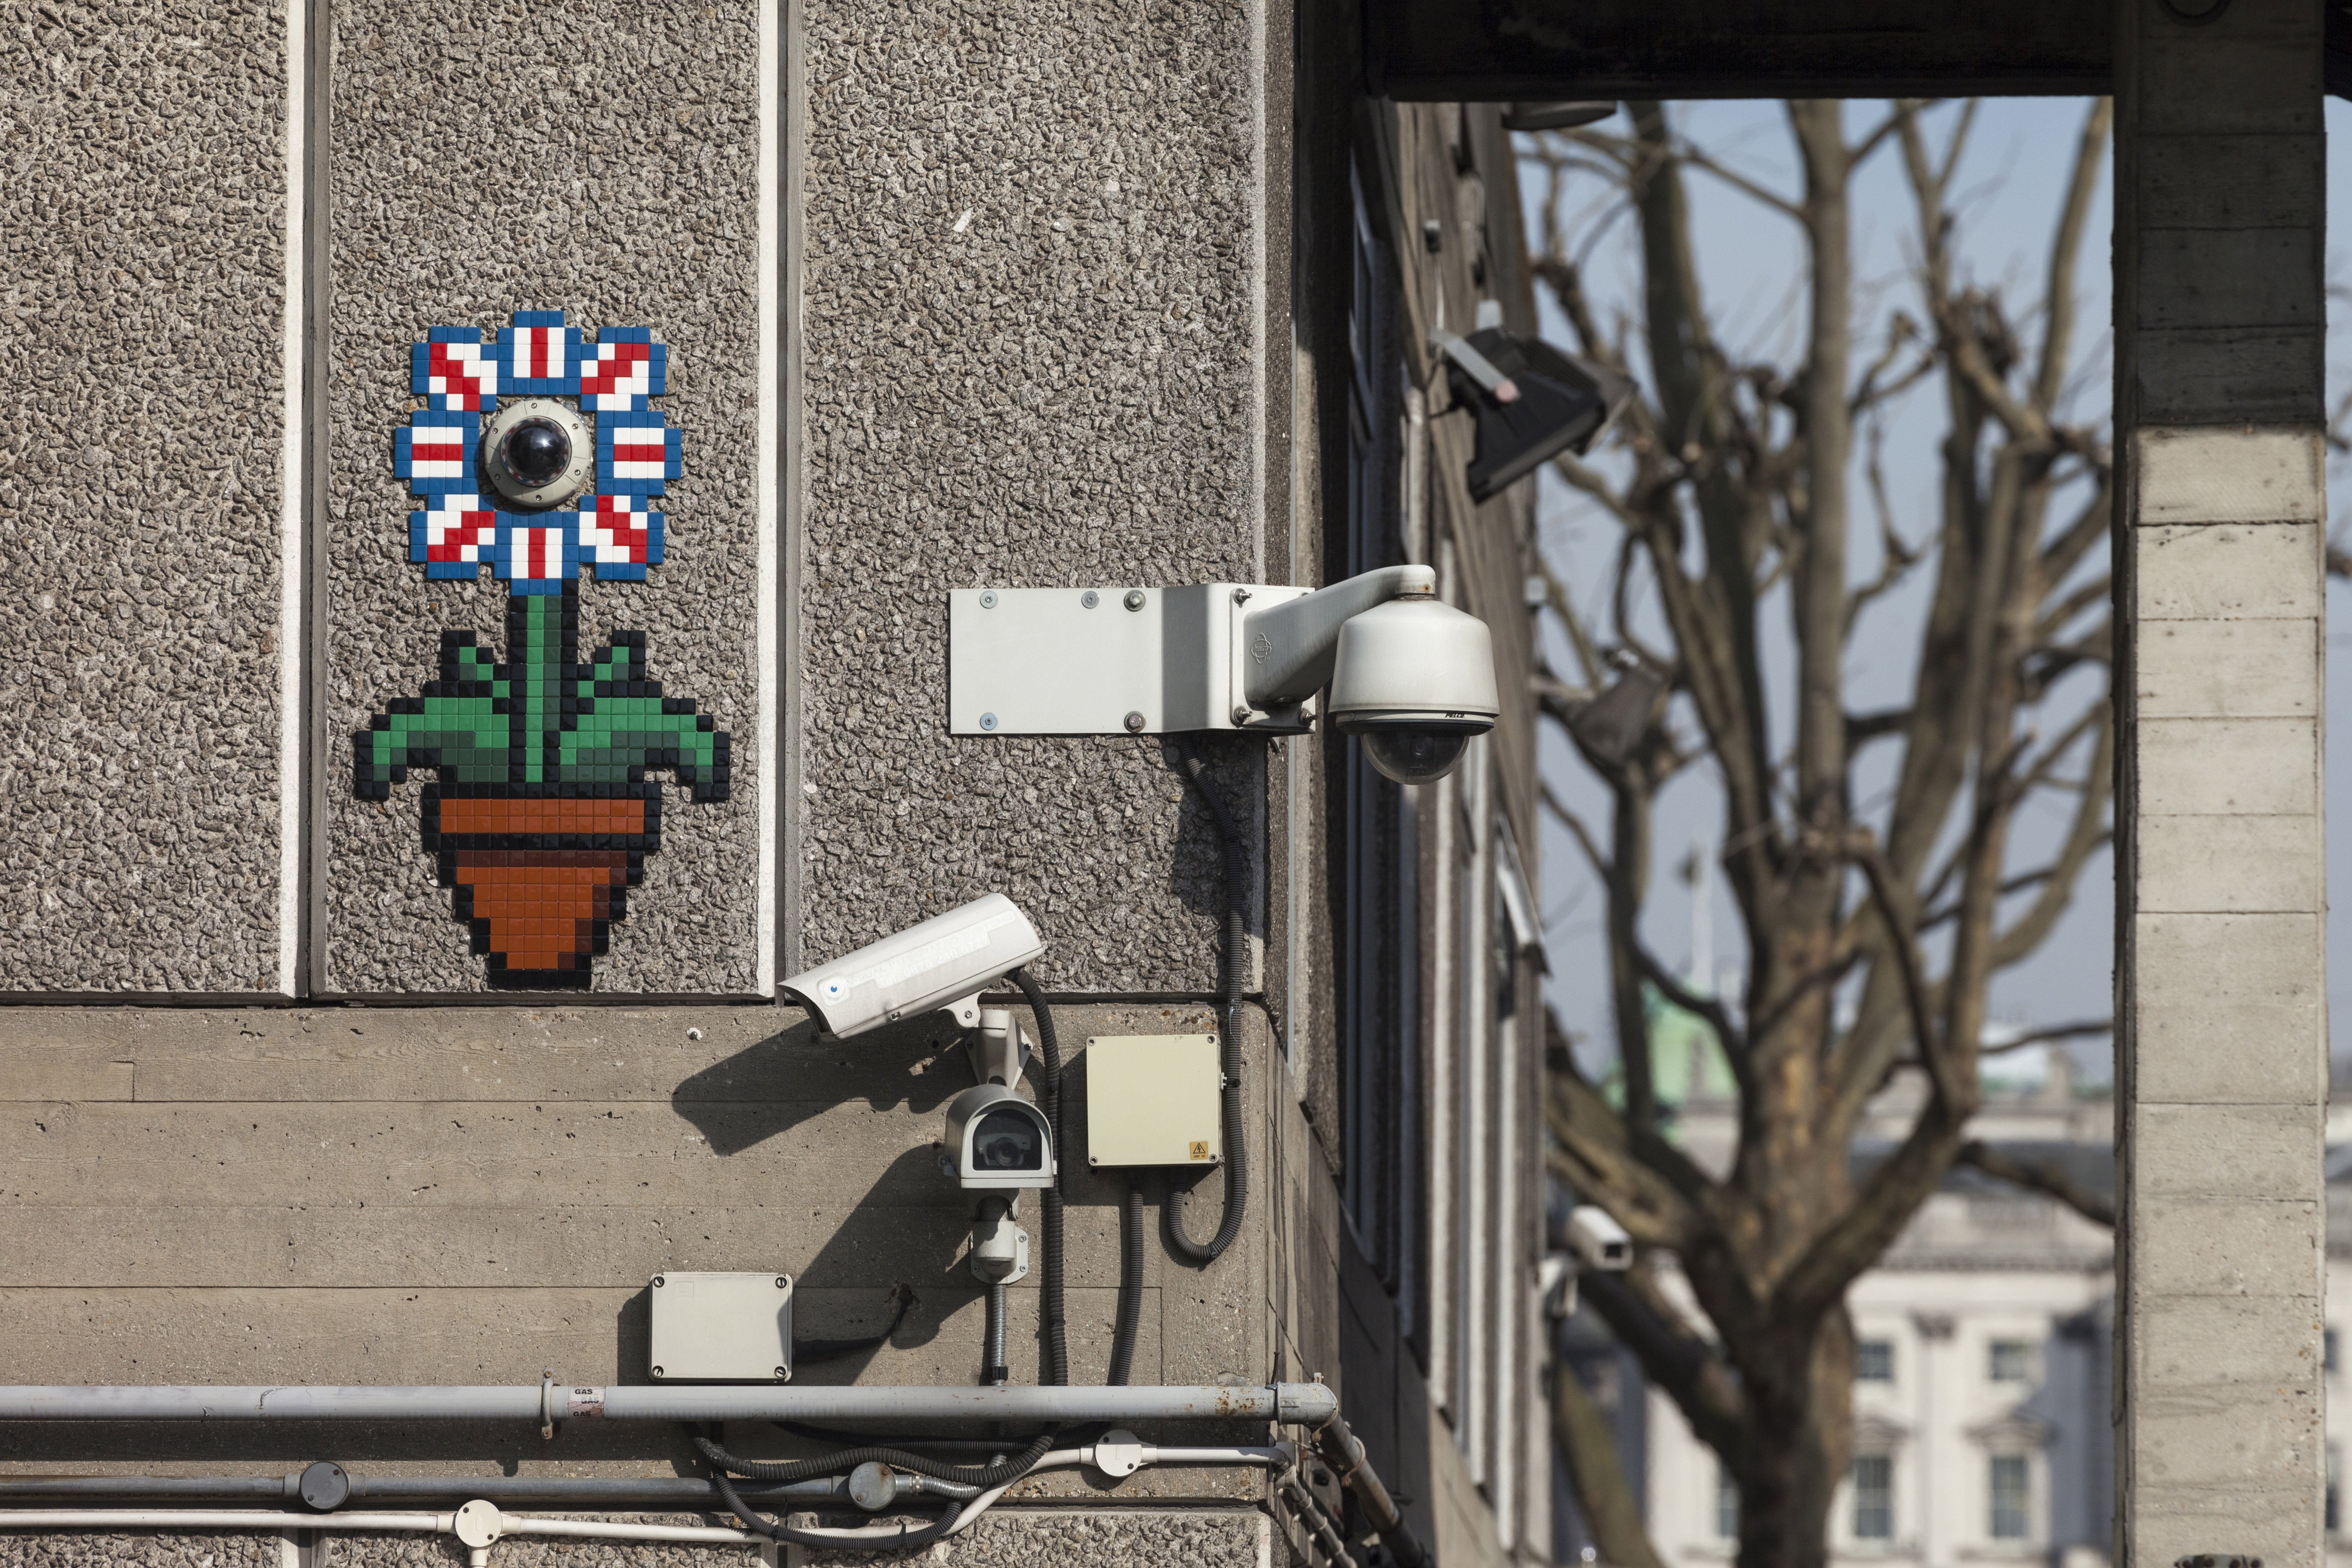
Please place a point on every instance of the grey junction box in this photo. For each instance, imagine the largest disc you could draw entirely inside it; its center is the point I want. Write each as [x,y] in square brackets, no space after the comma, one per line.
[1152,1100]
[722,1328]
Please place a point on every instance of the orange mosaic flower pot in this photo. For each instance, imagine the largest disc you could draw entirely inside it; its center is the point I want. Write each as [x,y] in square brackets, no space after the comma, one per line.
[541,877]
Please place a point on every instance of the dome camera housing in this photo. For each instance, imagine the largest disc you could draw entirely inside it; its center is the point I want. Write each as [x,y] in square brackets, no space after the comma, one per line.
[998,1142]
[1414,679]
[537,453]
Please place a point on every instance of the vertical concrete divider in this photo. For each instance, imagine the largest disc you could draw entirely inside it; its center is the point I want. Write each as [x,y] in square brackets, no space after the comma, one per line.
[2221,889]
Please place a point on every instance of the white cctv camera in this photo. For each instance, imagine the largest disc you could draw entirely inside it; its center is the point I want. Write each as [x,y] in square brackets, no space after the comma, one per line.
[997,1141]
[944,961]
[1598,1241]
[1414,680]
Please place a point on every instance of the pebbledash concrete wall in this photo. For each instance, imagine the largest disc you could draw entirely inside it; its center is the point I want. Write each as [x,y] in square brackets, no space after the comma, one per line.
[1030,359]
[389,1171]
[142,215]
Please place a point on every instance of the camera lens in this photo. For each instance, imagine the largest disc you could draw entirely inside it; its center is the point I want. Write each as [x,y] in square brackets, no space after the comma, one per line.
[1007,1140]
[1414,756]
[537,451]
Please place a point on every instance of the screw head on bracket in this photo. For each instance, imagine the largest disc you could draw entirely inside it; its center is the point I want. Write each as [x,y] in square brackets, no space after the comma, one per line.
[1135,723]
[1134,600]
[988,600]
[1089,599]
[988,721]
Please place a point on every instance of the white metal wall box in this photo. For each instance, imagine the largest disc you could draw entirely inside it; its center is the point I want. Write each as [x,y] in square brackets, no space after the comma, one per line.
[722,1328]
[1151,1100]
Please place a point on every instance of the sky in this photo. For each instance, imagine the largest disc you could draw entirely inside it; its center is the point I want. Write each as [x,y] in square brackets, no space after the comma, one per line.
[2010,180]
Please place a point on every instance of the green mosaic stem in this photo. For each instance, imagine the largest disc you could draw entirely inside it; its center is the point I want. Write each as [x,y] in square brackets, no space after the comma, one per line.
[485,723]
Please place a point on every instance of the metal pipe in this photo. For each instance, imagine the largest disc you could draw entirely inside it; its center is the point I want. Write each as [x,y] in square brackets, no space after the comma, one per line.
[1341,1449]
[420,1523]
[1308,1404]
[682,1495]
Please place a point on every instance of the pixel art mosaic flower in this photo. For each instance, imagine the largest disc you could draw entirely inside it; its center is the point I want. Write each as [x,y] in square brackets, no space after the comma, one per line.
[543,809]
[462,477]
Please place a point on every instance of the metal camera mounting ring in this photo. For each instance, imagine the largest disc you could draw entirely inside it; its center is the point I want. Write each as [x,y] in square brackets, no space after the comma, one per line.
[537,453]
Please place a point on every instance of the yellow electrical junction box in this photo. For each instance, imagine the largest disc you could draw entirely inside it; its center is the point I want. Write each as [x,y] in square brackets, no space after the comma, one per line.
[1152,1100]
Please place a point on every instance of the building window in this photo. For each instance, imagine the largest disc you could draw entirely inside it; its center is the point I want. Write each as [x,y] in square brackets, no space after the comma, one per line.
[2009,1496]
[1873,1497]
[1375,862]
[2328,1349]
[1873,1362]
[1727,1503]
[2011,1361]
[2334,1488]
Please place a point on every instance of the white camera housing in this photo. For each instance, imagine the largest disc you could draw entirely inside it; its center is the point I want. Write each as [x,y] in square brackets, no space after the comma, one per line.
[997,1141]
[949,959]
[1414,680]
[1598,1241]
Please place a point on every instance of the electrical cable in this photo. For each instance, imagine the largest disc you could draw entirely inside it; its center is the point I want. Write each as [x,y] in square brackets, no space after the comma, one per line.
[991,1361]
[1230,957]
[826,1349]
[867,1540]
[1131,1284]
[1004,1471]
[1049,1054]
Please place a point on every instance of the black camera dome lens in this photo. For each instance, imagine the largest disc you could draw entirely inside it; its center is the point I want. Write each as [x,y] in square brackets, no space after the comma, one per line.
[1007,1140]
[537,451]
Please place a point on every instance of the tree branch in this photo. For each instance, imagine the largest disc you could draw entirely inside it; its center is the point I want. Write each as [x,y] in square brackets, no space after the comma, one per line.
[1692,1371]
[2047,1179]
[1604,1495]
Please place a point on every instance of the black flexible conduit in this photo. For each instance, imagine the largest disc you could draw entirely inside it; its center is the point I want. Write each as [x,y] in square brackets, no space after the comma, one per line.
[1131,1284]
[1011,1468]
[725,1467]
[1049,1054]
[992,1369]
[1231,955]
[777,1530]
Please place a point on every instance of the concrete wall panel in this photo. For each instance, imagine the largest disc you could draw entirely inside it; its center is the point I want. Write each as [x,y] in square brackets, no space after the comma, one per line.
[599,162]
[464,1194]
[1030,361]
[143,210]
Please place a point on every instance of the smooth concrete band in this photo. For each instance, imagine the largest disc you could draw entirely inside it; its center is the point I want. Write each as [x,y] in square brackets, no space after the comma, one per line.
[1309,1404]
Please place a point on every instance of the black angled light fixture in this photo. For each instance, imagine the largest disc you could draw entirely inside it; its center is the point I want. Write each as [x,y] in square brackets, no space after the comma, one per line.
[1531,403]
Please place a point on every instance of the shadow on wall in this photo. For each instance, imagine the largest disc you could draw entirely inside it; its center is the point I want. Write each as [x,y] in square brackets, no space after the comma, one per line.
[788,1078]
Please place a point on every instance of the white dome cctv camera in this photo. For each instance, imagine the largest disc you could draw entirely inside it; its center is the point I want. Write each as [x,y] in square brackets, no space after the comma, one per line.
[1414,680]
[945,961]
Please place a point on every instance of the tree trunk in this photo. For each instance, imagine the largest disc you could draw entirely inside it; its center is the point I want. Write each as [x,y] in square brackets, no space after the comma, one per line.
[1800,1444]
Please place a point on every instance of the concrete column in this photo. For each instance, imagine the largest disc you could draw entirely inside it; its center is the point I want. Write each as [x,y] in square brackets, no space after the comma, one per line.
[2222,1048]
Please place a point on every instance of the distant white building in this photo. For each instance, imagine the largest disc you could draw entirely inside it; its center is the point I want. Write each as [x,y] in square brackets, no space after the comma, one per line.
[1984,1349]
[1984,1341]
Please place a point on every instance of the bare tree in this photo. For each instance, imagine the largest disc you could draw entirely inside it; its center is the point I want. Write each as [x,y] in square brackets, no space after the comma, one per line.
[1739,481]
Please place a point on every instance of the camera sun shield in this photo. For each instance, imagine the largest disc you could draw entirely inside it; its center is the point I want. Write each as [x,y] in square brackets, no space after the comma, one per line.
[997,1141]
[943,960]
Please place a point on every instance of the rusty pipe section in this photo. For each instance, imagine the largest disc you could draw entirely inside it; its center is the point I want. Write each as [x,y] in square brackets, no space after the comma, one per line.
[1344,1453]
[1304,1404]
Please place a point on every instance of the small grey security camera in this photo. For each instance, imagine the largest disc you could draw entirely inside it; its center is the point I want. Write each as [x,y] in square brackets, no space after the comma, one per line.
[945,961]
[997,1141]
[1598,1241]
